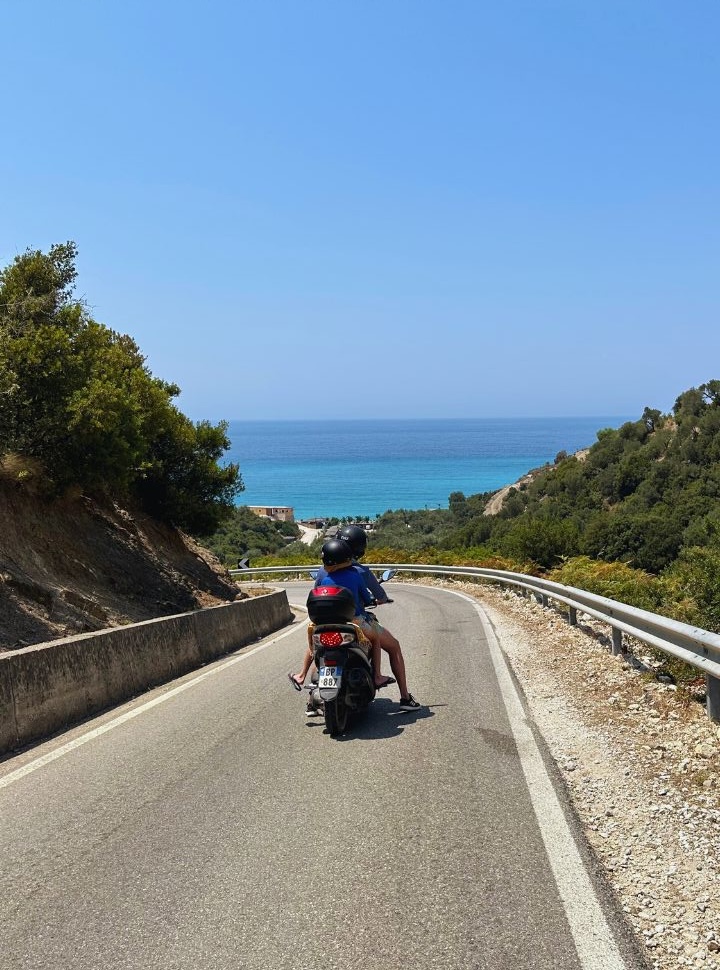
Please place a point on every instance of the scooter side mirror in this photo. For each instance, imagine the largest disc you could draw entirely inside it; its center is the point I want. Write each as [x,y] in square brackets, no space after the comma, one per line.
[388,574]
[314,573]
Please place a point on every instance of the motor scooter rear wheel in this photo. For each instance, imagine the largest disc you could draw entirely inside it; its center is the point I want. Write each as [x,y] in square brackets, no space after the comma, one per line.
[336,717]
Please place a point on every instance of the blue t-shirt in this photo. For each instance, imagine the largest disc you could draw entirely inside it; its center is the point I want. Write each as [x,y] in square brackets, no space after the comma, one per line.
[351,579]
[371,582]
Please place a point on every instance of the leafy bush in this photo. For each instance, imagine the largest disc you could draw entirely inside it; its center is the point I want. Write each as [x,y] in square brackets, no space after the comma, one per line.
[543,541]
[695,581]
[650,540]
[616,580]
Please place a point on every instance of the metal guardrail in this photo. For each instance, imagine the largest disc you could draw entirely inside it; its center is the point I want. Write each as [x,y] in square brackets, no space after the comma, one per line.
[695,646]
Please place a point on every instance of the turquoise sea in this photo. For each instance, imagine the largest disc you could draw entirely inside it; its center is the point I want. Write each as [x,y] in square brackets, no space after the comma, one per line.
[339,468]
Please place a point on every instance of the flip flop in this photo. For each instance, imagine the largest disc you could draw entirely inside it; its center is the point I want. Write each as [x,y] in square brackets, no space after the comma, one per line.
[386,683]
[291,678]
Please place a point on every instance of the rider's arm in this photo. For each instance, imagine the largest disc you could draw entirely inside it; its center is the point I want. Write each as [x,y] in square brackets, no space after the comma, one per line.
[365,595]
[373,585]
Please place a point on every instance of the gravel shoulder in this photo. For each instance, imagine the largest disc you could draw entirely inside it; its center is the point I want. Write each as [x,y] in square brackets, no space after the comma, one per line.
[640,763]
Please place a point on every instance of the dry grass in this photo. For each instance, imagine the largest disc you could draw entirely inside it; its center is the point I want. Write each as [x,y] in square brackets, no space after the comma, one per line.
[22,470]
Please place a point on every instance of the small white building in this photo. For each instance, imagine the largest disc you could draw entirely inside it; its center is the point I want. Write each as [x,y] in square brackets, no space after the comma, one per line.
[278,513]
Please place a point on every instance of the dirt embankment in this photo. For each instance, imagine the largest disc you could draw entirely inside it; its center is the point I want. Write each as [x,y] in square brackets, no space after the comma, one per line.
[77,565]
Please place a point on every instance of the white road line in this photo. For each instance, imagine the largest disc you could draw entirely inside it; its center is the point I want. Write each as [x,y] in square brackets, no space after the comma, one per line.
[591,933]
[135,712]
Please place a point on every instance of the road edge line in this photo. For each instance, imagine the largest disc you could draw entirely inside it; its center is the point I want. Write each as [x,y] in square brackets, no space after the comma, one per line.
[78,742]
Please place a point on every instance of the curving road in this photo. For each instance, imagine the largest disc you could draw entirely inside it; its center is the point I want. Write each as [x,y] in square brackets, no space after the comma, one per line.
[209,825]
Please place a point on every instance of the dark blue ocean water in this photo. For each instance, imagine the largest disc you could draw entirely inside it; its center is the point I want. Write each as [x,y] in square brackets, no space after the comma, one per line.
[340,468]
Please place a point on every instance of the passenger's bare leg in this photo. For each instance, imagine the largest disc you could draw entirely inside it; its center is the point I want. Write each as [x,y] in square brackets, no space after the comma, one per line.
[376,659]
[397,662]
[307,664]
[375,654]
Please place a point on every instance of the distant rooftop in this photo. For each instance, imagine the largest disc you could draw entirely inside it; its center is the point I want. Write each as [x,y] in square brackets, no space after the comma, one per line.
[279,513]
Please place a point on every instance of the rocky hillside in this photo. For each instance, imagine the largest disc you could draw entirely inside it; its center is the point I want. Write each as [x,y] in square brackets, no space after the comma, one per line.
[77,565]
[497,500]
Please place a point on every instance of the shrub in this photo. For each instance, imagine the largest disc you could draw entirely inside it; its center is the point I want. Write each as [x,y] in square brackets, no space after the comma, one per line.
[616,580]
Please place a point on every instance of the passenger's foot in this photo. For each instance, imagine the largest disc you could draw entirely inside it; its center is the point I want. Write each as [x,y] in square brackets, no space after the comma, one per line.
[311,710]
[384,682]
[409,703]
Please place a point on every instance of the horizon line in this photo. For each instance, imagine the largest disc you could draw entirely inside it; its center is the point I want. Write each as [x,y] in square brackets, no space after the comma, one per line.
[519,417]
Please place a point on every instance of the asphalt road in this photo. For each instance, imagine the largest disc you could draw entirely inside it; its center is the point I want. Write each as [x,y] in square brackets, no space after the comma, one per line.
[210,825]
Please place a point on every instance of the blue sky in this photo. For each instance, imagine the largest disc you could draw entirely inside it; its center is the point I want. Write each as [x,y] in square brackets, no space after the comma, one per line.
[358,208]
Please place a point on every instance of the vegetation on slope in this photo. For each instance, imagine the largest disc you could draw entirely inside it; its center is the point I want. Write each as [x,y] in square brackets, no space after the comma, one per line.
[80,409]
[245,534]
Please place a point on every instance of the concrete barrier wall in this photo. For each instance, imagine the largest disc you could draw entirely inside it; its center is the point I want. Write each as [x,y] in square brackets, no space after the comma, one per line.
[49,686]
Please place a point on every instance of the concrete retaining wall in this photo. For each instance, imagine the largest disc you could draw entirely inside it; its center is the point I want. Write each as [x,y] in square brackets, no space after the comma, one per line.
[48,686]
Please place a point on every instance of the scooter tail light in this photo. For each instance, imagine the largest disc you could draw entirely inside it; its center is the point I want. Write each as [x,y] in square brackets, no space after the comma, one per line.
[321,639]
[332,639]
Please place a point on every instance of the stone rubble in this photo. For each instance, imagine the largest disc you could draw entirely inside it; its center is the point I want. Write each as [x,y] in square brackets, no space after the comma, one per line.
[640,762]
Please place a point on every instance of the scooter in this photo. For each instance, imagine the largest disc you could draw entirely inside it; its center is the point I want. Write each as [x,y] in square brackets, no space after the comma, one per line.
[345,683]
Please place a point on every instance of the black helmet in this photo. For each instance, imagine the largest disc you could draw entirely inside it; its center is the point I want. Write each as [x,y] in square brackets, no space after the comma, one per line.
[356,538]
[335,552]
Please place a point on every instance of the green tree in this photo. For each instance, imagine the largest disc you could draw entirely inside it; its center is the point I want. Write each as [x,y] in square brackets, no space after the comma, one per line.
[543,541]
[652,418]
[79,399]
[458,506]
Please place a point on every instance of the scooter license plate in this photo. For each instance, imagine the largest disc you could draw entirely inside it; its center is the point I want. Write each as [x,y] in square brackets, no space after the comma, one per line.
[329,676]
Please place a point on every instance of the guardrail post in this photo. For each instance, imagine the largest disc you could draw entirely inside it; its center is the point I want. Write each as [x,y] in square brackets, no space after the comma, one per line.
[617,641]
[572,616]
[712,704]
